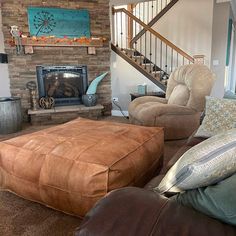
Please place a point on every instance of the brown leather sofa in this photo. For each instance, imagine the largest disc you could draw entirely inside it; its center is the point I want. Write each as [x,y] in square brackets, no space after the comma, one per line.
[141,212]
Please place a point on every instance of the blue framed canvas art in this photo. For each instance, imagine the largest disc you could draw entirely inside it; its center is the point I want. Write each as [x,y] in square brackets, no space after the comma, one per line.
[58,22]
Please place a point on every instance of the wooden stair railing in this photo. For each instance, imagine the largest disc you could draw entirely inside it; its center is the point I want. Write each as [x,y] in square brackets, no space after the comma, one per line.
[152,45]
[147,69]
[163,10]
[147,10]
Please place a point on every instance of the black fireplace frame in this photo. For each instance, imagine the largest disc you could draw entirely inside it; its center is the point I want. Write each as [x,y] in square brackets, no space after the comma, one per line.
[42,70]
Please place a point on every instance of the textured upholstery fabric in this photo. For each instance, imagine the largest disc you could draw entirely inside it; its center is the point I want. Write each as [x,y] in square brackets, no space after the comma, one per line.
[179,121]
[204,164]
[220,115]
[179,95]
[71,166]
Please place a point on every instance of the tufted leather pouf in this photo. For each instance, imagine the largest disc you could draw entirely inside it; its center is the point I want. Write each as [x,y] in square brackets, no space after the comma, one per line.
[71,166]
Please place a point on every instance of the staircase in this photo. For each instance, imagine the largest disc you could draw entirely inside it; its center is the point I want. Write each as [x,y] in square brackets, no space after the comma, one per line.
[150,12]
[144,48]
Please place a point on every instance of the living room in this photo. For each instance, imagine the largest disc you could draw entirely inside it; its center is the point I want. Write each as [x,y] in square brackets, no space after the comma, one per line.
[64,147]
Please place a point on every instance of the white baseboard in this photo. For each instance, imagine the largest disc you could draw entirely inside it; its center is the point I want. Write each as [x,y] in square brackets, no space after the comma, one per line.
[118,113]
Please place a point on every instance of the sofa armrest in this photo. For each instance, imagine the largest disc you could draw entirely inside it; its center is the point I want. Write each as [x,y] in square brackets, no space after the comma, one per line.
[139,212]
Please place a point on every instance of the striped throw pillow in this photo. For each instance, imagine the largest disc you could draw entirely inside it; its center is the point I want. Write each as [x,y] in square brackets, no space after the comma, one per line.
[204,164]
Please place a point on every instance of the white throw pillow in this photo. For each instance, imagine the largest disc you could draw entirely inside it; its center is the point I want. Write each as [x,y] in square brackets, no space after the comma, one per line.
[206,163]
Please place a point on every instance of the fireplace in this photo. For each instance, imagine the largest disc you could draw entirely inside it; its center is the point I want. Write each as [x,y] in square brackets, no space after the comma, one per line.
[66,84]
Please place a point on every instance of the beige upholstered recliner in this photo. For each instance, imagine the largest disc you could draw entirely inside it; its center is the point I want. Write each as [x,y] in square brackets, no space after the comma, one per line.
[179,113]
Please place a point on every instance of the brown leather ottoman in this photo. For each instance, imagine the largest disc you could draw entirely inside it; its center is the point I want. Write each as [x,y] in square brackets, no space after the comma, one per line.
[71,166]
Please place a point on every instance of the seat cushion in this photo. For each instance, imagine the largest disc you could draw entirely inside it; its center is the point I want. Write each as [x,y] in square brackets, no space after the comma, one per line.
[71,166]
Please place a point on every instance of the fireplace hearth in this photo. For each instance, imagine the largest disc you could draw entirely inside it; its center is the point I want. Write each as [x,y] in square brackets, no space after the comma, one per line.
[66,84]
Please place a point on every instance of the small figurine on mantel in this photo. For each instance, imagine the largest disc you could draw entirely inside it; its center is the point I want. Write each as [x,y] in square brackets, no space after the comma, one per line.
[16,34]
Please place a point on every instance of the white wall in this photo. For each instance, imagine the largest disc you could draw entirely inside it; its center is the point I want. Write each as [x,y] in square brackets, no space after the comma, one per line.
[188,24]
[124,80]
[219,45]
[4,75]
[122,2]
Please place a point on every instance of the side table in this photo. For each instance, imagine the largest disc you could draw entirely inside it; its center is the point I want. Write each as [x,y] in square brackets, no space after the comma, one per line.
[157,94]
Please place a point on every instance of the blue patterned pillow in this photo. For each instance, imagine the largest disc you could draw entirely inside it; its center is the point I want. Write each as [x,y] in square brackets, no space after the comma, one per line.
[220,116]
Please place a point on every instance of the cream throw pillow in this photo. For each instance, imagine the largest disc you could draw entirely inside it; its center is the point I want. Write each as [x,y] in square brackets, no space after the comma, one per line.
[206,163]
[220,116]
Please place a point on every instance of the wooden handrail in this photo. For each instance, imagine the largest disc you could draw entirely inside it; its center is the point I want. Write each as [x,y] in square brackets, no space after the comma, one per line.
[154,20]
[147,28]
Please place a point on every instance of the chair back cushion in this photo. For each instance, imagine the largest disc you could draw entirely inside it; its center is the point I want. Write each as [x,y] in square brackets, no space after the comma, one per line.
[199,81]
[180,95]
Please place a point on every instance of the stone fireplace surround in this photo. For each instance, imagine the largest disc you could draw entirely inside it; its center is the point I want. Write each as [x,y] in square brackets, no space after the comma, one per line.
[22,68]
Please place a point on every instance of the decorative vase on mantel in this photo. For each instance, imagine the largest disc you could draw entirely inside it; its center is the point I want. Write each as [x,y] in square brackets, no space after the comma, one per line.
[90,98]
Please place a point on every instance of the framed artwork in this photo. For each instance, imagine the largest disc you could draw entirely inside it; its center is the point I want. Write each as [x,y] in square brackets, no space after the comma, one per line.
[58,22]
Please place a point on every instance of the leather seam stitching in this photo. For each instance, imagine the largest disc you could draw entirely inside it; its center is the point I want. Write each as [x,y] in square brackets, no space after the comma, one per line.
[159,215]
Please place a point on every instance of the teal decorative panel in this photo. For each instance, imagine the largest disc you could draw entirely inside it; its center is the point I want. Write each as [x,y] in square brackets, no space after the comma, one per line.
[230,27]
[58,22]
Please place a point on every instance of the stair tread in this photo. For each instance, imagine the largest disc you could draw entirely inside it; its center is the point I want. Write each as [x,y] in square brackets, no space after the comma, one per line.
[153,75]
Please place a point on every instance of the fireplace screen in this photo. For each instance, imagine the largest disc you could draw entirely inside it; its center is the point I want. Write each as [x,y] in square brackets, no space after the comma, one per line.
[66,84]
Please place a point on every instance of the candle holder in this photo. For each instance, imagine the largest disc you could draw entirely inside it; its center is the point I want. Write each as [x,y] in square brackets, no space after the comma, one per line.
[33,100]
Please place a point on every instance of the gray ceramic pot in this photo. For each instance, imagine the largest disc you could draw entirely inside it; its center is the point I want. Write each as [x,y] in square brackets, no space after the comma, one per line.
[89,100]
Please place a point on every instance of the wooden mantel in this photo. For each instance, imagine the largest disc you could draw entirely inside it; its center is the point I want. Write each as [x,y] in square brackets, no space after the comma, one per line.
[61,42]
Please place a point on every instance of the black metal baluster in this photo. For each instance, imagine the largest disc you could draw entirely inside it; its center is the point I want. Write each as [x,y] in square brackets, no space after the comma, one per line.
[117,33]
[134,12]
[171,64]
[152,9]
[157,10]
[150,54]
[166,66]
[126,34]
[161,55]
[135,43]
[155,56]
[145,54]
[143,11]
[140,51]
[139,10]
[121,32]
